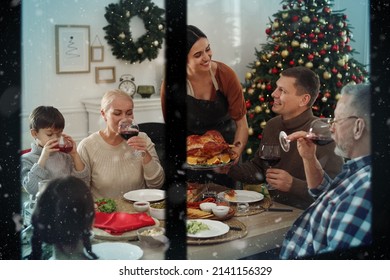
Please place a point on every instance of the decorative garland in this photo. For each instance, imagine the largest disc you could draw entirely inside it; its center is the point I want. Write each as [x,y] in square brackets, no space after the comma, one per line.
[119,35]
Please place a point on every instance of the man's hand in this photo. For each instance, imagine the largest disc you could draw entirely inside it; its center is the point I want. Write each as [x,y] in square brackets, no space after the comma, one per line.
[279,179]
[306,148]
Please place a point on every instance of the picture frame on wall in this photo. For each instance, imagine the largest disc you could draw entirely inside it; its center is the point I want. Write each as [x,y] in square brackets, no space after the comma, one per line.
[105,74]
[97,53]
[72,49]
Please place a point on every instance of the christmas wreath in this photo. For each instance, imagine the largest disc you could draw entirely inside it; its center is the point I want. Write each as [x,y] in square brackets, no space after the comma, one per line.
[118,34]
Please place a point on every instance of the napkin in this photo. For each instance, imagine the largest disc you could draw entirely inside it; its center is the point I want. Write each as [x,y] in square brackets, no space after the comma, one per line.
[117,223]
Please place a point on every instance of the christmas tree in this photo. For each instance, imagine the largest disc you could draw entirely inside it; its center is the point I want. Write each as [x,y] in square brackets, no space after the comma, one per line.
[307,33]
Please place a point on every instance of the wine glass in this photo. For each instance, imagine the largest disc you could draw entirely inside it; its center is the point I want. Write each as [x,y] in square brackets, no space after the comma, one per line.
[64,145]
[128,128]
[319,132]
[271,155]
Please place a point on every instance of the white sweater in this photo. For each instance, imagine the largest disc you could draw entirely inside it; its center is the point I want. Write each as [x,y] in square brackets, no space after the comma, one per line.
[115,170]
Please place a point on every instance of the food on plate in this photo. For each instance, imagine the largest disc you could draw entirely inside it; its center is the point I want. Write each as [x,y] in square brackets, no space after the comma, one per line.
[196,204]
[194,227]
[230,195]
[208,149]
[158,205]
[152,232]
[106,205]
[193,213]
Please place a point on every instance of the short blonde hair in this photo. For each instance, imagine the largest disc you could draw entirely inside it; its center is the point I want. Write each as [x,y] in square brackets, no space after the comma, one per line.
[110,95]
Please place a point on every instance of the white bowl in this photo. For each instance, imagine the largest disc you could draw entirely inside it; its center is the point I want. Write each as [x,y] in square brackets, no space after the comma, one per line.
[221,211]
[207,206]
[141,206]
[158,213]
[152,236]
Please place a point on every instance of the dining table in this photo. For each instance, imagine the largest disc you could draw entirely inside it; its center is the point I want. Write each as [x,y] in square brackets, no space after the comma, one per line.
[261,228]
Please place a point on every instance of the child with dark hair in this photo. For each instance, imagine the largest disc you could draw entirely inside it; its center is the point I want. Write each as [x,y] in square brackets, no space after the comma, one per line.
[63,217]
[45,161]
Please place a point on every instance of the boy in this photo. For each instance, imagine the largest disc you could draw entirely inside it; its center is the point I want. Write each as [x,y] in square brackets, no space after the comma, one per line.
[45,161]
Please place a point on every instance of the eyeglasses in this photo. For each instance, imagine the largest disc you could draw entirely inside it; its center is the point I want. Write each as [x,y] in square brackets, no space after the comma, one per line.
[334,121]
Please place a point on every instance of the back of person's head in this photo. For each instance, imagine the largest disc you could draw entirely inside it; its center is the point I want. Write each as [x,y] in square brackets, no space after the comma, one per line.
[46,117]
[110,95]
[63,216]
[193,35]
[306,81]
[360,104]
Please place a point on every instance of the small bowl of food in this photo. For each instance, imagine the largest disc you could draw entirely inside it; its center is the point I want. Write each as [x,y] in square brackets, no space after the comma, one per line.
[157,210]
[152,236]
[207,206]
[141,206]
[221,211]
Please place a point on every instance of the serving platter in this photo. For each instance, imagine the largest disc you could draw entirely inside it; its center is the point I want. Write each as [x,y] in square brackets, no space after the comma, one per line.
[201,167]
[150,195]
[243,196]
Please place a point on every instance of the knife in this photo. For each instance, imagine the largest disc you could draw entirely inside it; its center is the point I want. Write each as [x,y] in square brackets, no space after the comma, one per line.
[279,210]
[235,228]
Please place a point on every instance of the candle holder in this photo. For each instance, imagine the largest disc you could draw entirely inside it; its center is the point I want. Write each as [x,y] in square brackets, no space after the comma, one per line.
[145,91]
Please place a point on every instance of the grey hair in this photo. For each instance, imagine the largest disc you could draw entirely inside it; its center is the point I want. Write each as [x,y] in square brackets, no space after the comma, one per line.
[109,96]
[361,100]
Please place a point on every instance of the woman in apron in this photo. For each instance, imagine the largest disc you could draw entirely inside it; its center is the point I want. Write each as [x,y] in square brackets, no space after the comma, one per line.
[215,101]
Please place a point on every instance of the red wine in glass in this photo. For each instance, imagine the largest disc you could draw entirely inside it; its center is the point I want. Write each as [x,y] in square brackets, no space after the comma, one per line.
[320,140]
[128,134]
[64,145]
[271,161]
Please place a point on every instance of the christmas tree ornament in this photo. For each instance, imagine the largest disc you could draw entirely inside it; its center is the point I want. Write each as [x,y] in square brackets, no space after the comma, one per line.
[248,75]
[327,75]
[306,19]
[249,151]
[339,76]
[258,109]
[309,65]
[263,124]
[285,53]
[304,45]
[250,131]
[295,43]
[326,60]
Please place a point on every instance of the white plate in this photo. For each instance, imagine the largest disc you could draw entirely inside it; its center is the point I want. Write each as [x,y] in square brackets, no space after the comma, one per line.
[216,228]
[150,195]
[117,251]
[243,196]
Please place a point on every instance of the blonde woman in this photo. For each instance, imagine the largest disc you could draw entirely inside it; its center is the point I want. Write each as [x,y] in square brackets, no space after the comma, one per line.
[115,169]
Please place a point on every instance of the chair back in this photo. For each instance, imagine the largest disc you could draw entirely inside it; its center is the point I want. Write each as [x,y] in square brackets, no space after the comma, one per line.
[156,132]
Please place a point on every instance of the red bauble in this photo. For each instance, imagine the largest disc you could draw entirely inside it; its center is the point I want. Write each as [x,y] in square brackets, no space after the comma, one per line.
[344,16]
[251,116]
[314,19]
[321,35]
[339,84]
[276,47]
[295,18]
[261,98]
[353,77]
[268,87]
[334,70]
[259,136]
[292,63]
[268,31]
[330,26]
[314,41]
[326,10]
[322,52]
[290,33]
[335,48]
[274,70]
[312,35]
[348,48]
[248,104]
[303,35]
[310,56]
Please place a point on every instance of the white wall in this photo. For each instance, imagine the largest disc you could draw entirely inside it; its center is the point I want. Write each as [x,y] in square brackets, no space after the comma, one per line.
[234,28]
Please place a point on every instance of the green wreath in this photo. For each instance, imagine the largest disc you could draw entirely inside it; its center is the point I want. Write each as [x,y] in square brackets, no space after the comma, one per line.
[119,35]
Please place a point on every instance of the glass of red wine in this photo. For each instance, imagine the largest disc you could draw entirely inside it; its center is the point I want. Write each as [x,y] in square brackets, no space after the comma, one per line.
[65,145]
[128,128]
[270,154]
[319,133]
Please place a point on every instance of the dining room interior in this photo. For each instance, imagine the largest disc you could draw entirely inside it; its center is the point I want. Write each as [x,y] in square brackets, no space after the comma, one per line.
[254,224]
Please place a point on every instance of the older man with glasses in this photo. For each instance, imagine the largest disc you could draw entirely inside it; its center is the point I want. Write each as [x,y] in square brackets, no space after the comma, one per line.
[341,216]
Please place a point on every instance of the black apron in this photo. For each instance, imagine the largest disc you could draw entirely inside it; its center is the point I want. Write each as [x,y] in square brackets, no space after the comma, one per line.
[204,115]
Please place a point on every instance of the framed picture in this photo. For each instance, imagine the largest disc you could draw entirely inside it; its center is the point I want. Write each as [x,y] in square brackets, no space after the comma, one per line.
[97,54]
[72,49]
[105,74]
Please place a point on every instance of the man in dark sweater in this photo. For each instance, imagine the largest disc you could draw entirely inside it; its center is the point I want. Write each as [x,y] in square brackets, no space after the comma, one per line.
[296,91]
